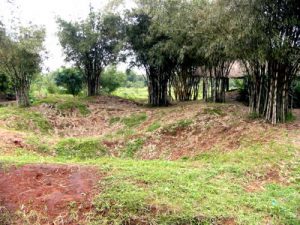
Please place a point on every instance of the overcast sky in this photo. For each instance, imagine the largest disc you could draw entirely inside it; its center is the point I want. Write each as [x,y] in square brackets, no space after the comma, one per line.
[44,12]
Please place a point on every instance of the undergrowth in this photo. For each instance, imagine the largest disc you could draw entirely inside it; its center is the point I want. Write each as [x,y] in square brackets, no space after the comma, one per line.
[209,189]
[174,127]
[85,148]
[24,120]
[66,103]
[130,121]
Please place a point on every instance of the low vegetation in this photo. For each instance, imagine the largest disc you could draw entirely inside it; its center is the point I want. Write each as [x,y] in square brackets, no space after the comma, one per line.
[254,182]
[80,148]
[91,144]
[19,119]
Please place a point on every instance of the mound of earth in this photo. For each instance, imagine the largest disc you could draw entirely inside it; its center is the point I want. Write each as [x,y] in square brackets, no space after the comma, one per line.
[50,190]
[102,108]
[224,127]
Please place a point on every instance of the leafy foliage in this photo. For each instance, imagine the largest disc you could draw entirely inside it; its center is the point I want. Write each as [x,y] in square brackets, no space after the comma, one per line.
[91,44]
[21,58]
[111,79]
[71,79]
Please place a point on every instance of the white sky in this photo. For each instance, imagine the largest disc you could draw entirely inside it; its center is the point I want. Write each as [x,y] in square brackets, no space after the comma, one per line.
[44,12]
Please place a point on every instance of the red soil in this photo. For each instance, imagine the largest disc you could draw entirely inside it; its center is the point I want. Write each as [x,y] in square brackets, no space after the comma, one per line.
[48,189]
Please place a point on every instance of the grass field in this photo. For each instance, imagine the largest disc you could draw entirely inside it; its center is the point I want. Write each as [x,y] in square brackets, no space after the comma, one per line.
[137,94]
[210,163]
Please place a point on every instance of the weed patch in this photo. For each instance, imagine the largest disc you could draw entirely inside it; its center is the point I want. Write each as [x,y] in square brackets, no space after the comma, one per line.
[290,117]
[80,148]
[65,103]
[174,127]
[5,216]
[130,121]
[213,111]
[134,120]
[71,106]
[24,120]
[132,147]
[253,116]
[114,120]
[153,127]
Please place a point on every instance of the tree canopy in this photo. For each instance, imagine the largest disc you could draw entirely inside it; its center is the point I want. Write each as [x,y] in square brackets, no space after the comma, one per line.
[91,44]
[21,58]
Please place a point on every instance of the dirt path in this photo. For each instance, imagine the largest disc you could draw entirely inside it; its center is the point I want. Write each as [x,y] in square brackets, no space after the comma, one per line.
[51,190]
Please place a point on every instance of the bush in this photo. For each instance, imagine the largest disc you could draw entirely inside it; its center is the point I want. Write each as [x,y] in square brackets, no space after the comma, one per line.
[6,88]
[71,79]
[242,87]
[4,83]
[134,80]
[111,79]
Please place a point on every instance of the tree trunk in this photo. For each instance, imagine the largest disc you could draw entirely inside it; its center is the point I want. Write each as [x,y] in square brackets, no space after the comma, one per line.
[93,83]
[22,94]
[158,90]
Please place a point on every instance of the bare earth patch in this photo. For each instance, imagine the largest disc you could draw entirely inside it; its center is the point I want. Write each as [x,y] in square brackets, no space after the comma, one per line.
[271,176]
[51,190]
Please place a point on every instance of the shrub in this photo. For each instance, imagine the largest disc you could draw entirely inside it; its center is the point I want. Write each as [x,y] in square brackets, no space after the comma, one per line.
[6,87]
[242,86]
[71,79]
[111,79]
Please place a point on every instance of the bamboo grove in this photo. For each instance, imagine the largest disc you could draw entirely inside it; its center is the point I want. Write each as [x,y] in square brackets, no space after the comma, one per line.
[188,45]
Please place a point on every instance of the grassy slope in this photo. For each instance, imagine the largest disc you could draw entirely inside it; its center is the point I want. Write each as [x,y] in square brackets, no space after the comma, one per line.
[257,184]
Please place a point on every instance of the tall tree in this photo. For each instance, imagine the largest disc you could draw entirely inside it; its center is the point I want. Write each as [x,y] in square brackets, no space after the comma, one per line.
[21,58]
[150,49]
[91,44]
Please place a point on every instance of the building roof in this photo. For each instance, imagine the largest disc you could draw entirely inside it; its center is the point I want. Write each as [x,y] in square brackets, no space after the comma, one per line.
[237,71]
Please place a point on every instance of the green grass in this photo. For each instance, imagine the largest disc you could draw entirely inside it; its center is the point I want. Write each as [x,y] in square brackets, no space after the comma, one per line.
[83,148]
[205,190]
[154,126]
[174,127]
[24,120]
[66,103]
[130,121]
[73,105]
[40,143]
[113,120]
[134,120]
[132,147]
[213,111]
[138,94]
